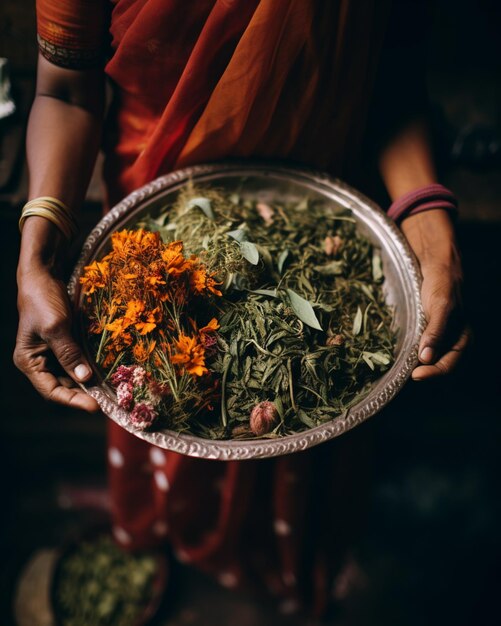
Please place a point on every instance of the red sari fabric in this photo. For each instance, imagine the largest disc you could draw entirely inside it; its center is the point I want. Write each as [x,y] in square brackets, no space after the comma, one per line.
[200,81]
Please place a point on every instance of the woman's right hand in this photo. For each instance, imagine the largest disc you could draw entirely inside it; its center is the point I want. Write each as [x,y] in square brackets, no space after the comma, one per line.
[44,342]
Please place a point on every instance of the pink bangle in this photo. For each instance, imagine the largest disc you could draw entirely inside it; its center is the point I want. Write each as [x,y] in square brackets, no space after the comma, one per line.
[423,199]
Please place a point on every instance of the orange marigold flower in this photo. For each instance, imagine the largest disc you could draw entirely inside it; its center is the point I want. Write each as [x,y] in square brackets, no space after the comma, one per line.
[198,279]
[95,277]
[138,241]
[143,349]
[110,358]
[175,262]
[132,316]
[201,282]
[117,327]
[190,354]
[211,327]
[211,286]
[134,310]
[151,322]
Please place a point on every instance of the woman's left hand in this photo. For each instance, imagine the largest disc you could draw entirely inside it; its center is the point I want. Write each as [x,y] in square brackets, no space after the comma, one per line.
[431,236]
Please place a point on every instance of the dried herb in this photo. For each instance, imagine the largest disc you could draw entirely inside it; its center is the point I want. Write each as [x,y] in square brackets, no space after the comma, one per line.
[303,320]
[100,584]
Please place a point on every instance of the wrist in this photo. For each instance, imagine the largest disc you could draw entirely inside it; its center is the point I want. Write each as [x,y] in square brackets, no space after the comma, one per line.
[42,246]
[432,237]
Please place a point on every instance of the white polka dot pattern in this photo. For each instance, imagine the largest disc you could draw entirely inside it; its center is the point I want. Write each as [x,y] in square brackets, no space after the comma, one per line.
[157,457]
[160,529]
[182,556]
[282,528]
[228,579]
[115,457]
[121,535]
[161,480]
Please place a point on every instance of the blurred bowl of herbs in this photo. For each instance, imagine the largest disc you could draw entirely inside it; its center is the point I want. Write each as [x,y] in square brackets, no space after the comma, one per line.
[365,330]
[96,582]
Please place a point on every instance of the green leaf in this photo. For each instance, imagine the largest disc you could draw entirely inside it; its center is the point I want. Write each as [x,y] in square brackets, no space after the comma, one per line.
[357,322]
[377,267]
[239,282]
[380,357]
[366,357]
[271,293]
[249,252]
[265,254]
[281,260]
[303,416]
[303,309]
[334,268]
[204,204]
[280,407]
[238,234]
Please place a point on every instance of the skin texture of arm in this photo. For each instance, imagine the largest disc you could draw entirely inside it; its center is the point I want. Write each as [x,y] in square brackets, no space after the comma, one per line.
[406,163]
[64,132]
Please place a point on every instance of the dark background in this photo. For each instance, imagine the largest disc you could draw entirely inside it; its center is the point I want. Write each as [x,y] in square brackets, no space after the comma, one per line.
[430,552]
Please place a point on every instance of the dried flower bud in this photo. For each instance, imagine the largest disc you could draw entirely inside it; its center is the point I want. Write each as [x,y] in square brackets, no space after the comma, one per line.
[139,376]
[332,245]
[335,340]
[157,392]
[266,212]
[143,415]
[124,395]
[262,418]
[123,374]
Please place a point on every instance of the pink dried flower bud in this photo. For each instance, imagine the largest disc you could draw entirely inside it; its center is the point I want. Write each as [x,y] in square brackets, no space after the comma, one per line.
[124,395]
[210,344]
[335,340]
[156,391]
[332,245]
[143,415]
[266,212]
[139,377]
[123,374]
[262,418]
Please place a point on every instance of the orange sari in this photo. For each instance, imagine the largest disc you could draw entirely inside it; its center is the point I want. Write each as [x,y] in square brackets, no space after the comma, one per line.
[199,81]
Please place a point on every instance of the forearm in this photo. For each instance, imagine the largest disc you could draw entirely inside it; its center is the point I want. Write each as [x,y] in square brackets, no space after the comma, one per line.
[62,144]
[64,132]
[406,160]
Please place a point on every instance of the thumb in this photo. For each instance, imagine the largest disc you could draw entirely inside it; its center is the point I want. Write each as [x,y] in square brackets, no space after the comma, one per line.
[70,356]
[437,314]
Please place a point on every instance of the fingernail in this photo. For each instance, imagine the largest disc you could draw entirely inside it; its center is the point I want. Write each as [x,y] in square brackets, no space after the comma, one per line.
[81,371]
[426,354]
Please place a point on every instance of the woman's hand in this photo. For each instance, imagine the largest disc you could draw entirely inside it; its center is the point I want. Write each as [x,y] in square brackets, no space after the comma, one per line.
[44,342]
[431,236]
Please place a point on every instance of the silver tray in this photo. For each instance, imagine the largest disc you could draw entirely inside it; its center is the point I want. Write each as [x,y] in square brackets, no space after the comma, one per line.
[266,181]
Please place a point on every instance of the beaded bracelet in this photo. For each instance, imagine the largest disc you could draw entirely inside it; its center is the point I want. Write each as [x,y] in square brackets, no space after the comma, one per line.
[423,199]
[53,210]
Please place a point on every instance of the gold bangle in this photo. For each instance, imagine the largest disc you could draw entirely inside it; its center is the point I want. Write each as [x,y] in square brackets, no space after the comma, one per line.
[54,210]
[50,202]
[50,215]
[65,214]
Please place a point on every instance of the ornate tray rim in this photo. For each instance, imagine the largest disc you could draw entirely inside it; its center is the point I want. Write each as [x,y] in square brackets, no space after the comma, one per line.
[372,403]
